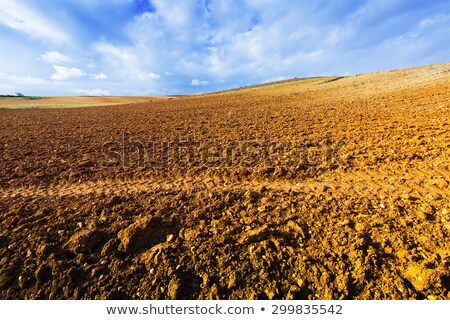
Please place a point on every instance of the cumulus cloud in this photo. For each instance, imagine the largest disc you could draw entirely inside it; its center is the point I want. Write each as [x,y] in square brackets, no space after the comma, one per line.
[64,73]
[127,63]
[55,57]
[196,82]
[151,75]
[99,76]
[222,41]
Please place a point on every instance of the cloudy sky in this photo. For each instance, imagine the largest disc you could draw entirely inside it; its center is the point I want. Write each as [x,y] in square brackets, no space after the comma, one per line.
[156,47]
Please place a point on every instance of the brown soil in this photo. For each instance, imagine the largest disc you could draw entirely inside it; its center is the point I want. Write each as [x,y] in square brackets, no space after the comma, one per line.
[331,188]
[51,102]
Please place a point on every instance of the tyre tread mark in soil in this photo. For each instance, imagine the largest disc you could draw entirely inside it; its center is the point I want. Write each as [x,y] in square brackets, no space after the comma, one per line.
[361,183]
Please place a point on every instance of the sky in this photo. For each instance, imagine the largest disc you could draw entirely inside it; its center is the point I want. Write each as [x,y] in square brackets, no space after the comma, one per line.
[162,47]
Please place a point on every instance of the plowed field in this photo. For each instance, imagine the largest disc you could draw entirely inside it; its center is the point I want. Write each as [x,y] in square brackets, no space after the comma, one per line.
[321,188]
[69,102]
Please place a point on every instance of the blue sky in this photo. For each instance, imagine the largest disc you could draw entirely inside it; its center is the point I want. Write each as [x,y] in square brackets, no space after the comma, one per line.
[158,47]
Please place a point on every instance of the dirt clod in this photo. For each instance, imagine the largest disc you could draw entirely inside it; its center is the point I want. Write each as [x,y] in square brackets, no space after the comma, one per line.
[254,235]
[140,235]
[84,241]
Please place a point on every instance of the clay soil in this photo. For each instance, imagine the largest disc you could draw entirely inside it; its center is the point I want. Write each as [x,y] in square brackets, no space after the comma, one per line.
[322,188]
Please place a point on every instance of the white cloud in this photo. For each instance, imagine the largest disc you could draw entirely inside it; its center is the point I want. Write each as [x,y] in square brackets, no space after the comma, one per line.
[303,57]
[64,73]
[123,62]
[196,82]
[234,42]
[92,92]
[117,56]
[221,41]
[127,62]
[17,16]
[98,76]
[151,75]
[178,13]
[55,57]
[21,81]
